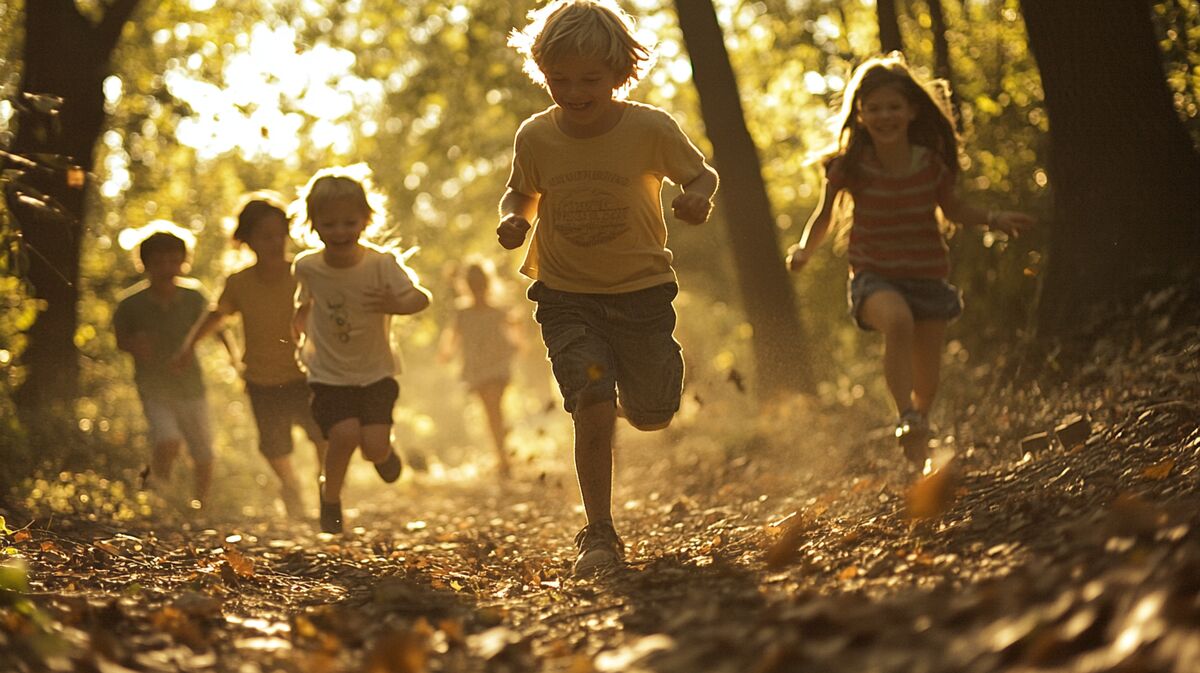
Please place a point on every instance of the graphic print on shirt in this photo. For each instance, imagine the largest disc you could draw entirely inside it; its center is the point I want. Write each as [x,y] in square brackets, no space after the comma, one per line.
[335,310]
[585,211]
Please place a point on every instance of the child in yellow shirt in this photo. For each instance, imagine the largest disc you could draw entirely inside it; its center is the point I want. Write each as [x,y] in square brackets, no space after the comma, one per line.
[587,172]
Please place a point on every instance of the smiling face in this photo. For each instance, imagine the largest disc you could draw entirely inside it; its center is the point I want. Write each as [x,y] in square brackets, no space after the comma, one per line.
[268,239]
[340,222]
[886,113]
[583,88]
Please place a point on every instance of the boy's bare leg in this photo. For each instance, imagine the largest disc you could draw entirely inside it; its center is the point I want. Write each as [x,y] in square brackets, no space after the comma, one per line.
[321,446]
[162,459]
[492,396]
[344,437]
[282,466]
[376,442]
[887,312]
[203,479]
[928,339]
[594,426]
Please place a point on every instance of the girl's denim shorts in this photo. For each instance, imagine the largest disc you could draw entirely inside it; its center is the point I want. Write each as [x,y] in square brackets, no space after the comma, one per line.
[927,298]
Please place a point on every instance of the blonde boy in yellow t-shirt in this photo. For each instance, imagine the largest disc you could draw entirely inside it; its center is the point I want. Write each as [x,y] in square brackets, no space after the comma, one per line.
[263,294]
[588,173]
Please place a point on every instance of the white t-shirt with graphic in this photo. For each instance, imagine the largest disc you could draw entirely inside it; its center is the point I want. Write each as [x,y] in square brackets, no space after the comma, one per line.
[344,344]
[599,226]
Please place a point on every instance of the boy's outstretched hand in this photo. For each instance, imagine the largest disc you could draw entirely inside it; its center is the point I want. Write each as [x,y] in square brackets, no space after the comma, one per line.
[385,300]
[511,231]
[691,208]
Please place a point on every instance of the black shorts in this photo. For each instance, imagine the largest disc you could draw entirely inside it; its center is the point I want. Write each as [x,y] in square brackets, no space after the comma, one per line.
[604,345]
[371,404]
[276,410]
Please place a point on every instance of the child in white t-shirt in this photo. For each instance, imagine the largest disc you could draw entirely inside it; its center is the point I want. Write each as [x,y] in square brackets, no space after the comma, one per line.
[346,293]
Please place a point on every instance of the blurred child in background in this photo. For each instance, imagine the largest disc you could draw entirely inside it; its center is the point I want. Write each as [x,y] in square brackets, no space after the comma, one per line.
[151,322]
[263,295]
[481,335]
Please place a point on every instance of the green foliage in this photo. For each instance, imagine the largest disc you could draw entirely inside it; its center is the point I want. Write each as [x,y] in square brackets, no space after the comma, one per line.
[1178,25]
[86,495]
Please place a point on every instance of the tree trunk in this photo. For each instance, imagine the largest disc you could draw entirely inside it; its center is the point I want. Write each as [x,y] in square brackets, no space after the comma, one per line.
[1123,169]
[67,56]
[942,67]
[889,26]
[770,303]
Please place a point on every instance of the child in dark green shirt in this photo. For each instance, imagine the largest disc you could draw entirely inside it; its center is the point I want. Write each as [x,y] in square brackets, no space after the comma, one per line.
[151,322]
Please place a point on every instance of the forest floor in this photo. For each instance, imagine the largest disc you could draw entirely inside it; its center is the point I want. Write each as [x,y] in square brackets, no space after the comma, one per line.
[743,555]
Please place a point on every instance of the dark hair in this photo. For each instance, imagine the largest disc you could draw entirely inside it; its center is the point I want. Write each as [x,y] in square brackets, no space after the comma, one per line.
[257,206]
[477,278]
[158,243]
[933,126]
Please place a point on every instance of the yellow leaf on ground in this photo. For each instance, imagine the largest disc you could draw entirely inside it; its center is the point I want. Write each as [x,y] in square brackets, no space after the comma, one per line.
[1160,470]
[107,547]
[932,495]
[240,565]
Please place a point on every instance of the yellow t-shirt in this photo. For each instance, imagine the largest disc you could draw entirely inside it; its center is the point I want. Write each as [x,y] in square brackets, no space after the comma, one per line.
[266,308]
[599,226]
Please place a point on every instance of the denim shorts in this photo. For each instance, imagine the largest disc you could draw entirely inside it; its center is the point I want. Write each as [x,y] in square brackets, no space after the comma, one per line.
[927,298]
[276,410]
[173,420]
[604,347]
[371,404]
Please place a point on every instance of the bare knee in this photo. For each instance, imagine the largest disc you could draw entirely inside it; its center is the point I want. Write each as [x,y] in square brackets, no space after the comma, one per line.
[888,313]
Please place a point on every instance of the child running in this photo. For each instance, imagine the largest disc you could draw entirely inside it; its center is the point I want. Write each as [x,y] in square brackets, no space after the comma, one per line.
[263,294]
[151,321]
[482,335]
[588,173]
[346,293]
[897,160]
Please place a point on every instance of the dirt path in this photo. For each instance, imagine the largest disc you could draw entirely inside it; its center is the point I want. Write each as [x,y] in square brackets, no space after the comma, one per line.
[1071,558]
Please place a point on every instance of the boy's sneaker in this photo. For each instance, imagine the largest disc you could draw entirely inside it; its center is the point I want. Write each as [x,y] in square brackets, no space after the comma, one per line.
[331,517]
[912,431]
[599,549]
[389,470]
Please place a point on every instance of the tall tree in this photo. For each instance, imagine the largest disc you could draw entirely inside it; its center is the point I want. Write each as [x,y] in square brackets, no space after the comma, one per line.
[889,26]
[766,289]
[1123,169]
[66,54]
[942,68]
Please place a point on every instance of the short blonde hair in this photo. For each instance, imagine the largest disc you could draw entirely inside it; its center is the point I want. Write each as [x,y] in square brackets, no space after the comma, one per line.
[340,182]
[598,28]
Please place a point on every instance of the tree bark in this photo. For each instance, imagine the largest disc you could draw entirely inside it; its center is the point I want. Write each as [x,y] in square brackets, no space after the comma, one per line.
[942,68]
[67,56]
[766,289]
[889,26]
[1123,169]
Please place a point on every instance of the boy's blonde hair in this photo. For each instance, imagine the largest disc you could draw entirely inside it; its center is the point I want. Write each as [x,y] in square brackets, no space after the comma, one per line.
[335,183]
[591,28]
